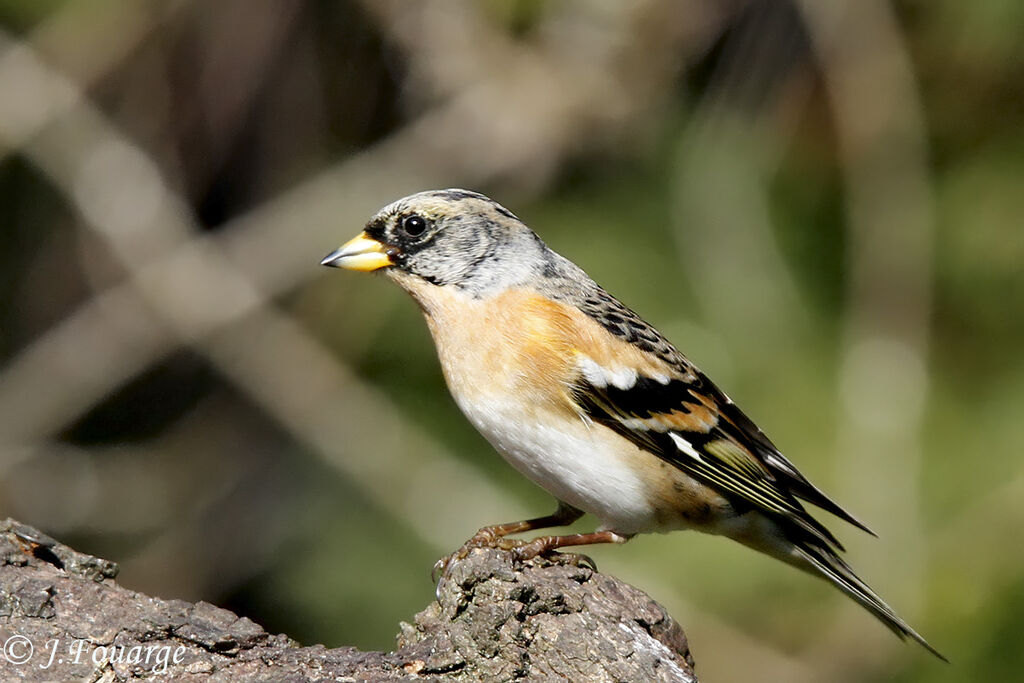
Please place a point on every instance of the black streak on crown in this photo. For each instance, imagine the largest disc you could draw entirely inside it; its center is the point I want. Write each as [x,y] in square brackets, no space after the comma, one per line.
[459,195]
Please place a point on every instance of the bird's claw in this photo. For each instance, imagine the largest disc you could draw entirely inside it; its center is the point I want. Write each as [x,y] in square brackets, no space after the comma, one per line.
[440,567]
[580,560]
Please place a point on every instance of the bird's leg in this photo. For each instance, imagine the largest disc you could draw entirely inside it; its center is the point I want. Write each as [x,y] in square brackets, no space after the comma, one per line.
[491,536]
[545,544]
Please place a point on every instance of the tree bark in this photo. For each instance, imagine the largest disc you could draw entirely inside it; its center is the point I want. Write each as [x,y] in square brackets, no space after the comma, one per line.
[63,617]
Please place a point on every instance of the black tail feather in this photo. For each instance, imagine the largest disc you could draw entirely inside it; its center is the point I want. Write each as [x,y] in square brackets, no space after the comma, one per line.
[835,569]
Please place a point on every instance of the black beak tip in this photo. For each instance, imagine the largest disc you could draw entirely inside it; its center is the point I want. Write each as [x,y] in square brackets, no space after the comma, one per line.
[330,259]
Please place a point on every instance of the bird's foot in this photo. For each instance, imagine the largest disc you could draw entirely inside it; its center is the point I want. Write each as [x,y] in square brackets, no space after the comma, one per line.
[488,537]
[541,547]
[522,551]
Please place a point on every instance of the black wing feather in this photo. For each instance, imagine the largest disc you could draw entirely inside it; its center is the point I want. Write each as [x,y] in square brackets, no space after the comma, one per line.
[745,431]
[736,458]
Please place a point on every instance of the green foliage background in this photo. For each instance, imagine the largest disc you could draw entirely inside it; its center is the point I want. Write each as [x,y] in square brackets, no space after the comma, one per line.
[773,210]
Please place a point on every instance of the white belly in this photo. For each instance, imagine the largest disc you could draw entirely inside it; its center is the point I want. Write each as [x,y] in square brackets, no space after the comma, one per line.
[597,475]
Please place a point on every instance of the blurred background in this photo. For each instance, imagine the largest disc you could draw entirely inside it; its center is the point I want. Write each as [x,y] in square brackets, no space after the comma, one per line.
[819,202]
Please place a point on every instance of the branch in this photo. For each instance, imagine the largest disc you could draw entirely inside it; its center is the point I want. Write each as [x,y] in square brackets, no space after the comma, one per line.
[63,617]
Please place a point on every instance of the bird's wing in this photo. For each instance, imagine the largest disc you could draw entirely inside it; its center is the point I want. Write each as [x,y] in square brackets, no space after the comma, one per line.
[689,422]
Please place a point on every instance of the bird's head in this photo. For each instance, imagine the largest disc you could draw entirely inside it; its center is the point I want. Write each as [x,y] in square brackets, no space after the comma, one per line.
[444,237]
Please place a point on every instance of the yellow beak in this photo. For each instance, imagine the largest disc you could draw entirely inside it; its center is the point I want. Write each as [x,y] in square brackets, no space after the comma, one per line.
[359,253]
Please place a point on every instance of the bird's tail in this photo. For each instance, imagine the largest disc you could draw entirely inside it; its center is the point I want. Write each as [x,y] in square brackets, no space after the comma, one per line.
[826,563]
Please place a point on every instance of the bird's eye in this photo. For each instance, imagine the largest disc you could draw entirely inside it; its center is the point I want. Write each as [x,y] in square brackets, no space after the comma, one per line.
[414,225]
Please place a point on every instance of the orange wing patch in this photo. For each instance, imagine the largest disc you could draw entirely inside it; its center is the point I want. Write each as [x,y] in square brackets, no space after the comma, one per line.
[699,419]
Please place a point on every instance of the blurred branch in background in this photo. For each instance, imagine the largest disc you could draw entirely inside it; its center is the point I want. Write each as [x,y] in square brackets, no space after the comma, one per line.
[119,192]
[187,164]
[883,380]
[726,157]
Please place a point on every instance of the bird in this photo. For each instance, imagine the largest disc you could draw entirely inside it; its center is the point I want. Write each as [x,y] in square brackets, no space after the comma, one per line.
[589,401]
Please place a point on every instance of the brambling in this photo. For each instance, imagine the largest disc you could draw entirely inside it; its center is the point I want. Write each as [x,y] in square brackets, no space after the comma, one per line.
[588,400]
